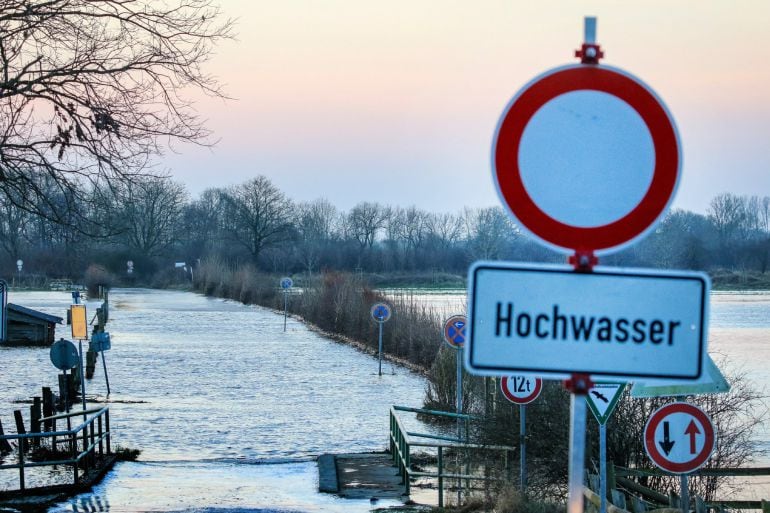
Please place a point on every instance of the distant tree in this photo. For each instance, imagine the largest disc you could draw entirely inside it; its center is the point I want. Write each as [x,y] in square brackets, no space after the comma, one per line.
[488,232]
[201,224]
[365,220]
[151,213]
[314,223]
[91,90]
[256,215]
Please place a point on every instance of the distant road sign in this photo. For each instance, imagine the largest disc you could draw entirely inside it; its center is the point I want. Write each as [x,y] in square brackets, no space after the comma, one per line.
[380,312]
[711,382]
[79,321]
[521,389]
[602,399]
[64,354]
[286,283]
[454,331]
[100,342]
[551,321]
[586,157]
[679,438]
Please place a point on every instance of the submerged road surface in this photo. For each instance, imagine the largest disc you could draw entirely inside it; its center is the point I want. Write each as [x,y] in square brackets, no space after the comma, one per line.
[228,410]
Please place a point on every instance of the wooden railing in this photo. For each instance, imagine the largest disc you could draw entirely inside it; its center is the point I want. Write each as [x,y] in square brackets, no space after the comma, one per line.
[640,498]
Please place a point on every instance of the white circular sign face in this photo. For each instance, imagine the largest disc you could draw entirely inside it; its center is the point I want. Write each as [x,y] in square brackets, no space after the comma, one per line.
[586,158]
[600,159]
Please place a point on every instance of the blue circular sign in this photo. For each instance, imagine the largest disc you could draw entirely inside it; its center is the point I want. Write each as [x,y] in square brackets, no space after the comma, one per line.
[454,331]
[381,312]
[286,283]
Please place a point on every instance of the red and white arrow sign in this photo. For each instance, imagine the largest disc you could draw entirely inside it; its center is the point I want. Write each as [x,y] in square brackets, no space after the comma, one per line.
[679,438]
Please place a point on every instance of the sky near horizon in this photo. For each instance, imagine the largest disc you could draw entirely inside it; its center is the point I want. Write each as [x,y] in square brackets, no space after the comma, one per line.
[397,102]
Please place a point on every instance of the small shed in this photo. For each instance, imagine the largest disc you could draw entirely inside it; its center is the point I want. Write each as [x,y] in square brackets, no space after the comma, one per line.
[30,327]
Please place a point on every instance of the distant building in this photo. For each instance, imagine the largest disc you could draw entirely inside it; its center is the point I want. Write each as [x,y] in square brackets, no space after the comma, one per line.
[30,327]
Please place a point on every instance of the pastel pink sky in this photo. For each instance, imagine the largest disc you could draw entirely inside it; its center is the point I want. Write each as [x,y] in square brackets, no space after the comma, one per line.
[397,101]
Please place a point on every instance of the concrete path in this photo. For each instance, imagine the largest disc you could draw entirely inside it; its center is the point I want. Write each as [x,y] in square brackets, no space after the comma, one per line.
[360,476]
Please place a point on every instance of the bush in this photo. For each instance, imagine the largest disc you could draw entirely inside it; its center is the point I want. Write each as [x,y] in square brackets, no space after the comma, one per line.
[97,276]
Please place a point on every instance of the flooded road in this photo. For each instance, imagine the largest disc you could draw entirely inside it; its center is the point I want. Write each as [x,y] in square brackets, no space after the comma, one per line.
[226,407]
[230,412]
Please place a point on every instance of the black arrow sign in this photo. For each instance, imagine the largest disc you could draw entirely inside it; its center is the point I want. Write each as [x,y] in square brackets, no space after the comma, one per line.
[666,444]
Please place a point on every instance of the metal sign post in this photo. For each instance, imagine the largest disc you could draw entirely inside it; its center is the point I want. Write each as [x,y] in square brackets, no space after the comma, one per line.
[679,438]
[586,158]
[3,310]
[64,356]
[454,336]
[380,313]
[286,284]
[79,332]
[602,399]
[100,342]
[521,390]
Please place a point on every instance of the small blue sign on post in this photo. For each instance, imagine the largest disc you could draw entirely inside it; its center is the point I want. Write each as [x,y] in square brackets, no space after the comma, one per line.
[100,342]
[380,313]
[286,284]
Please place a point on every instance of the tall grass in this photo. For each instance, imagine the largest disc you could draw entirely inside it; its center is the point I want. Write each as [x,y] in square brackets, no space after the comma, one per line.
[336,303]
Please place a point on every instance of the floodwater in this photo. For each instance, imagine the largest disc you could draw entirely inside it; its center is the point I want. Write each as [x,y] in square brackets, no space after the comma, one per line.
[228,409]
[230,412]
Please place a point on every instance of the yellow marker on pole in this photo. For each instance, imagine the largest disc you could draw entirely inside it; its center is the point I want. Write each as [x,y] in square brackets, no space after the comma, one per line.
[79,322]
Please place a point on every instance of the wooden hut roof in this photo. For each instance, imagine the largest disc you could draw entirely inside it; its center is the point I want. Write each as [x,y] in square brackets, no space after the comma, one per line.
[33,313]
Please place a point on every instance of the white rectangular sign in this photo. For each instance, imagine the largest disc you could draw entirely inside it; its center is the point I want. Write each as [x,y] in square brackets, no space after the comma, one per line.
[615,323]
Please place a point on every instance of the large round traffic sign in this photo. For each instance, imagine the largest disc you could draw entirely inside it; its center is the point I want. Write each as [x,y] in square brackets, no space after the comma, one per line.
[586,158]
[454,331]
[64,354]
[380,312]
[679,438]
[521,389]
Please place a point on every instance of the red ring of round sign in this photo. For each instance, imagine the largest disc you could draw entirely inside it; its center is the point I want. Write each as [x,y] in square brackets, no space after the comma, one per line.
[661,459]
[508,387]
[506,145]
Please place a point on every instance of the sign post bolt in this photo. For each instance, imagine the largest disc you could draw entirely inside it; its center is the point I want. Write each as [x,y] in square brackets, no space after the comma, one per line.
[589,52]
[583,260]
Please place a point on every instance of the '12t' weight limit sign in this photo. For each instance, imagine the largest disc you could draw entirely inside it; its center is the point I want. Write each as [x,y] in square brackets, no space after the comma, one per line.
[521,389]
[679,438]
[586,158]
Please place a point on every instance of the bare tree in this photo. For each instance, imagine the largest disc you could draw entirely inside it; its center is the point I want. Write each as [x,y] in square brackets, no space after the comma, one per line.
[365,221]
[92,90]
[257,215]
[151,214]
[314,223]
[488,231]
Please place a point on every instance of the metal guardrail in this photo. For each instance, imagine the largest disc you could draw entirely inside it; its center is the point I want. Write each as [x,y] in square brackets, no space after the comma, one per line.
[92,434]
[402,442]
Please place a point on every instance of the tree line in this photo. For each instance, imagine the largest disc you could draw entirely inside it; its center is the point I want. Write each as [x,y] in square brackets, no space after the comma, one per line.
[152,221]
